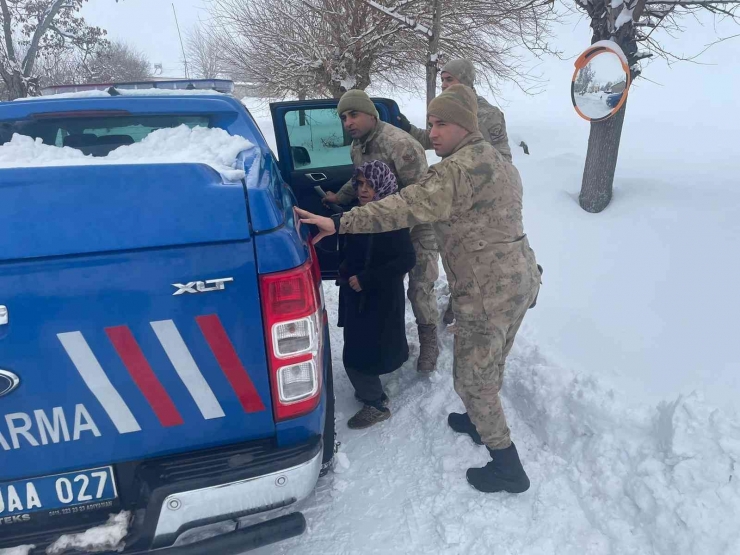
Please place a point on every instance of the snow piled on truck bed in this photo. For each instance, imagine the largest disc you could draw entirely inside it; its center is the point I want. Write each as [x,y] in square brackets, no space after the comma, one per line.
[199,145]
[20,550]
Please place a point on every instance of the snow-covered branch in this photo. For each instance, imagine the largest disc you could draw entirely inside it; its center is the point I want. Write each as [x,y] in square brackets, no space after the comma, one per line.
[41,30]
[411,23]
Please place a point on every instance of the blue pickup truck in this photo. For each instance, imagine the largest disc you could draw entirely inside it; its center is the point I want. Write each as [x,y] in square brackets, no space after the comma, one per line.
[164,349]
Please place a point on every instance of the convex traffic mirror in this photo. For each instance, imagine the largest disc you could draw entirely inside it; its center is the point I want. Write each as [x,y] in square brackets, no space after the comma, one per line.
[600,82]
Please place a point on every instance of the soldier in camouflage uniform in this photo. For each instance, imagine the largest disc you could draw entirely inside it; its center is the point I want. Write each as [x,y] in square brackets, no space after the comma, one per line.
[474,199]
[407,160]
[491,122]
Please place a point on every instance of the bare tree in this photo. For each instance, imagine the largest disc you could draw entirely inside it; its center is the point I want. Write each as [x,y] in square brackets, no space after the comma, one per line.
[310,47]
[488,32]
[31,28]
[109,63]
[204,54]
[632,25]
[116,62]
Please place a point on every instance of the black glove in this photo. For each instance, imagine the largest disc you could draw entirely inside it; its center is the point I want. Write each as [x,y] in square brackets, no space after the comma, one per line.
[404,123]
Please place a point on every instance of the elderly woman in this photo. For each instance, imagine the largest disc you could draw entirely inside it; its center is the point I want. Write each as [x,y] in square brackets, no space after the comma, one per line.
[372,301]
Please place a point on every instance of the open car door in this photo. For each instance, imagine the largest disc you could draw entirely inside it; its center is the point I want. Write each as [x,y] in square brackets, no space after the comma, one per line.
[314,151]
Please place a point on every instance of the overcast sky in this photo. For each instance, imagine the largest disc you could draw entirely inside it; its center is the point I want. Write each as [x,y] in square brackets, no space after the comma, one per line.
[149,25]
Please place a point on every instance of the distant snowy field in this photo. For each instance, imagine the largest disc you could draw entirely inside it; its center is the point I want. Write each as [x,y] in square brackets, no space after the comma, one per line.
[620,389]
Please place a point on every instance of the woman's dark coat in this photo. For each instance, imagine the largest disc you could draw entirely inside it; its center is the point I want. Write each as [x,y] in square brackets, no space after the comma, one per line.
[374,320]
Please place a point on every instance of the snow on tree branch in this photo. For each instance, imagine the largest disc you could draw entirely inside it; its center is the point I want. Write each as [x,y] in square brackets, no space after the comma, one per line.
[491,33]
[34,29]
[409,22]
[309,48]
[633,22]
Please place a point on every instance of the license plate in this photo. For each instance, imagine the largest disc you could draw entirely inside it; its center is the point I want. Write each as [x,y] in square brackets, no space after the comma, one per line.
[61,494]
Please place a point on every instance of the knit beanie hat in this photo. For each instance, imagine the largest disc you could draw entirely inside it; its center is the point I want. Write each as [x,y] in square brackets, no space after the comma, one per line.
[458,104]
[462,70]
[356,99]
[380,177]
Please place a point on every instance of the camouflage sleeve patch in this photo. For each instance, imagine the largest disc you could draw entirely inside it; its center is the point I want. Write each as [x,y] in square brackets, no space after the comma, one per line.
[493,128]
[410,161]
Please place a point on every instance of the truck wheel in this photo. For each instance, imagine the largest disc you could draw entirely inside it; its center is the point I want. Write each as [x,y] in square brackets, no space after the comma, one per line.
[329,434]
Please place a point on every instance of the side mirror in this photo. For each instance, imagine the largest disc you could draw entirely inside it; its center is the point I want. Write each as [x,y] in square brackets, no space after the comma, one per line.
[600,82]
[300,154]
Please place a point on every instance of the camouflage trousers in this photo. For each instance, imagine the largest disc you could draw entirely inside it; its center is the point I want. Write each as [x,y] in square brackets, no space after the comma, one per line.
[423,276]
[481,349]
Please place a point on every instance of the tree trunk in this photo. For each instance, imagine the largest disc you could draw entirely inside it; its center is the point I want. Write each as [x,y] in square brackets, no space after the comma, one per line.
[431,81]
[433,58]
[17,86]
[601,162]
[302,113]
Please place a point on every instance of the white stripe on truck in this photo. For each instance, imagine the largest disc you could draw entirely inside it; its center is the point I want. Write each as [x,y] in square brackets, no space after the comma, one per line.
[96,380]
[187,369]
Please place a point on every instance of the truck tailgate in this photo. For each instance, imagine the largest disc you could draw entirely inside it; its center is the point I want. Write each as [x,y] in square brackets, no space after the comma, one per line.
[134,320]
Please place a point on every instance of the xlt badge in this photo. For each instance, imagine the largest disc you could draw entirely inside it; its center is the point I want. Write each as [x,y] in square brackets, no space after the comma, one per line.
[201,286]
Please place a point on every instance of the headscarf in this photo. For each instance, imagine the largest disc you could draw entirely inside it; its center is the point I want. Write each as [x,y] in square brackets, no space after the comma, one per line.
[380,177]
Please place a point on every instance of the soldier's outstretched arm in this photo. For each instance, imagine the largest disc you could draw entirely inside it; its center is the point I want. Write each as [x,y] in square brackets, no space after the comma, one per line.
[421,135]
[446,189]
[346,194]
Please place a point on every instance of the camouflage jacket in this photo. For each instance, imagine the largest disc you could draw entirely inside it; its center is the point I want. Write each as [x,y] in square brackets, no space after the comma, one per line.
[491,124]
[474,199]
[391,145]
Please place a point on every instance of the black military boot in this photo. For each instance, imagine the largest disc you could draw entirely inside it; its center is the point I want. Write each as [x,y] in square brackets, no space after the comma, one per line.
[462,424]
[503,473]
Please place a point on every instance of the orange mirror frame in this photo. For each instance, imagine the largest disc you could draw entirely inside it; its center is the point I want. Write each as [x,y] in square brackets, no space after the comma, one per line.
[584,59]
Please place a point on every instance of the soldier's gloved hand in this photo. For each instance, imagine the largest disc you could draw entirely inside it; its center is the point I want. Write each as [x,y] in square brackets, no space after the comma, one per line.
[330,198]
[404,123]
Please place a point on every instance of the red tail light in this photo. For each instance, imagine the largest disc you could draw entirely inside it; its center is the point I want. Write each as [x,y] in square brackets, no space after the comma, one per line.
[293,315]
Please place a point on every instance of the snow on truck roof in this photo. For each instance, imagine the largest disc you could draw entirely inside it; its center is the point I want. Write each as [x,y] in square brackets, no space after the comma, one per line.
[179,87]
[151,87]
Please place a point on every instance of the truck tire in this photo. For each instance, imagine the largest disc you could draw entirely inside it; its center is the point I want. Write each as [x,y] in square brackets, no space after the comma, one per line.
[329,435]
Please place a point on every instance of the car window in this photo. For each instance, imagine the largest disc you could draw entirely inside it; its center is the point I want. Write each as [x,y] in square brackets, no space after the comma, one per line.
[317,138]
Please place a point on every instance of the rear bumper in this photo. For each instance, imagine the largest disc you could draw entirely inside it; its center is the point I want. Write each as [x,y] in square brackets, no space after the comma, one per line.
[172,496]
[190,509]
[240,541]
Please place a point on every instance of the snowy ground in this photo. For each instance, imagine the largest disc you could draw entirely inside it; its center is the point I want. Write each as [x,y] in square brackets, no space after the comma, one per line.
[593,105]
[613,385]
[609,477]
